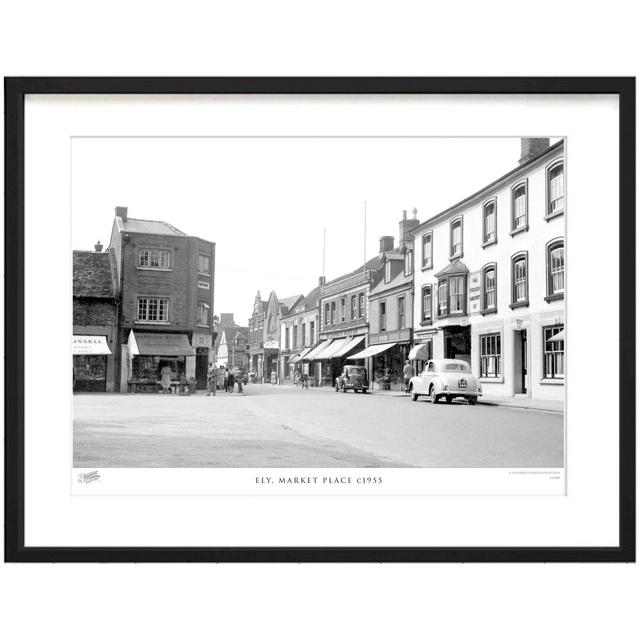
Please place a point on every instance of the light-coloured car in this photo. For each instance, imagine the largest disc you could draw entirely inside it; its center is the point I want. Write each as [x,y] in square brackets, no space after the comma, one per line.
[447,379]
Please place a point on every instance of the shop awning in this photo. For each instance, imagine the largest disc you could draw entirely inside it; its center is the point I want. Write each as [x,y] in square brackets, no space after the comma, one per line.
[351,343]
[372,350]
[90,345]
[419,352]
[558,337]
[271,344]
[330,351]
[160,344]
[300,356]
[314,353]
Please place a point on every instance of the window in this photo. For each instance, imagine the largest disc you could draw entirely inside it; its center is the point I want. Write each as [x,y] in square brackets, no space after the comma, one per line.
[383,316]
[456,238]
[489,288]
[203,264]
[402,316]
[203,314]
[153,309]
[456,294]
[343,310]
[555,270]
[442,298]
[408,263]
[203,285]
[153,259]
[361,305]
[427,250]
[426,303]
[519,281]
[327,315]
[333,312]
[286,338]
[490,365]
[553,351]
[295,336]
[489,223]
[519,206]
[303,338]
[387,271]
[312,328]
[555,189]
[354,307]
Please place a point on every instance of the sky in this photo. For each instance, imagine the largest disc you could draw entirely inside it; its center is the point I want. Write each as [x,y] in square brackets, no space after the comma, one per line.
[268,202]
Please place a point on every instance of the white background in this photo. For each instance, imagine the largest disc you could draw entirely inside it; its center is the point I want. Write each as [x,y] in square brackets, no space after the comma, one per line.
[319,601]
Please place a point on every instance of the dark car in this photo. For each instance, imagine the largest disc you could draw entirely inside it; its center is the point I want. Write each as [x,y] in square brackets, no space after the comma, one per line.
[240,374]
[352,377]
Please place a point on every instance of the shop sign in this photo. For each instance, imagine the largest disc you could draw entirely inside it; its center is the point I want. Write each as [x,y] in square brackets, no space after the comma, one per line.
[474,292]
[201,340]
[90,345]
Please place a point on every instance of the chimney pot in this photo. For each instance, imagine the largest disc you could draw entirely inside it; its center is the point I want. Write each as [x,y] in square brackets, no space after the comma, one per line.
[98,246]
[386,243]
[322,281]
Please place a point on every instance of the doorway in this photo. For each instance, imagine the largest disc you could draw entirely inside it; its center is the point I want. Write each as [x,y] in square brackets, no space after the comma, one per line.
[521,362]
[457,343]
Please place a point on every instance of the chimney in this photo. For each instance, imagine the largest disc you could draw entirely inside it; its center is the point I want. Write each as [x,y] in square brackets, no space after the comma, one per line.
[98,246]
[530,147]
[406,226]
[226,320]
[121,212]
[322,281]
[386,244]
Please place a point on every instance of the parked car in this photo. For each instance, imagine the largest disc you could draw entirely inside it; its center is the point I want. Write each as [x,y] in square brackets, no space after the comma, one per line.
[352,377]
[446,379]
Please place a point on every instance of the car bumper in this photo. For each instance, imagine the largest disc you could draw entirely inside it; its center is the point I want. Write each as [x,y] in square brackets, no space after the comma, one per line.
[460,393]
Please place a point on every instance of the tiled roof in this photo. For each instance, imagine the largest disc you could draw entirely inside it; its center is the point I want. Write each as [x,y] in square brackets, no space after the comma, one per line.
[398,281]
[455,268]
[372,264]
[311,301]
[92,277]
[290,301]
[154,227]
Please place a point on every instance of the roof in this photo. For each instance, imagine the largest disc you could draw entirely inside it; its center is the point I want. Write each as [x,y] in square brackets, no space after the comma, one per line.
[290,301]
[480,193]
[457,267]
[372,264]
[153,227]
[398,281]
[92,275]
[312,298]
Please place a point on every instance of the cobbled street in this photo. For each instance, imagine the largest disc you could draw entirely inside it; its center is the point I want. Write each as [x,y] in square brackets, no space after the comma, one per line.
[291,427]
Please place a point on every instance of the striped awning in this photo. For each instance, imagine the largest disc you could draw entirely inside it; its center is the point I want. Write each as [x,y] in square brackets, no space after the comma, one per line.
[160,344]
[372,350]
[330,351]
[271,344]
[300,356]
[314,353]
[351,343]
[419,352]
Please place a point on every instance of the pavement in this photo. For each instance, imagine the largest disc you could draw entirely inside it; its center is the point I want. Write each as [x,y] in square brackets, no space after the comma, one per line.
[290,427]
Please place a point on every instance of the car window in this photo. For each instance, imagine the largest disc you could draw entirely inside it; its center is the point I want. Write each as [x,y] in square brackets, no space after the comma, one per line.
[431,367]
[456,366]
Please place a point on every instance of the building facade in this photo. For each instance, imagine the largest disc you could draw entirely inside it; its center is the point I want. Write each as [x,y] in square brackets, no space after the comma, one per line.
[95,321]
[344,321]
[166,284]
[490,279]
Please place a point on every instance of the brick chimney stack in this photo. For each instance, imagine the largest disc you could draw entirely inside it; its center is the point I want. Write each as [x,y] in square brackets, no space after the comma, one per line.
[406,226]
[386,244]
[530,147]
[121,212]
[98,246]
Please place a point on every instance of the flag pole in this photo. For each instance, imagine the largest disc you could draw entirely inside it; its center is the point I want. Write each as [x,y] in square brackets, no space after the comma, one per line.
[364,240]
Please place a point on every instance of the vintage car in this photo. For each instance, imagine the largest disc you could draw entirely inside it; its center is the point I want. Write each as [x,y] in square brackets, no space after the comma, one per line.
[447,379]
[352,377]
[240,374]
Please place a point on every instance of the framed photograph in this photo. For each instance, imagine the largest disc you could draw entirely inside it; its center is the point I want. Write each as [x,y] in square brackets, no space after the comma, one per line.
[320,319]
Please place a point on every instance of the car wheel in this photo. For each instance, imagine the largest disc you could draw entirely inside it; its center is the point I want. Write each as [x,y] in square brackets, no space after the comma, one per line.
[414,396]
[364,391]
[473,400]
[449,399]
[434,396]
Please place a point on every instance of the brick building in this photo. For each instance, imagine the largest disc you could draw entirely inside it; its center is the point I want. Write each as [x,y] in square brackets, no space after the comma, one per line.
[95,321]
[165,279]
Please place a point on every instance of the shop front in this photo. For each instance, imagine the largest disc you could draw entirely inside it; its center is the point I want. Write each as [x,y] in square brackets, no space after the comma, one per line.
[150,355]
[421,352]
[90,363]
[385,362]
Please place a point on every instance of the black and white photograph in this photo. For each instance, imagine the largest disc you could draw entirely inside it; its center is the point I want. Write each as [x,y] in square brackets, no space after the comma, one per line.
[319,302]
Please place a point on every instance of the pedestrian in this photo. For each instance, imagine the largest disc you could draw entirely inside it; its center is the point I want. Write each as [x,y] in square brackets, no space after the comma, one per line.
[226,380]
[231,381]
[212,380]
[407,373]
[305,381]
[274,377]
[165,379]
[239,382]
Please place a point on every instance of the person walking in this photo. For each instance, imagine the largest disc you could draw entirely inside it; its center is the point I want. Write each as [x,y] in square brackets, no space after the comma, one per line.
[165,379]
[407,373]
[212,380]
[231,381]
[274,377]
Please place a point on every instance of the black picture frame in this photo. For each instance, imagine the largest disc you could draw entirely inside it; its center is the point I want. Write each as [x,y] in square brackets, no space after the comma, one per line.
[15,91]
